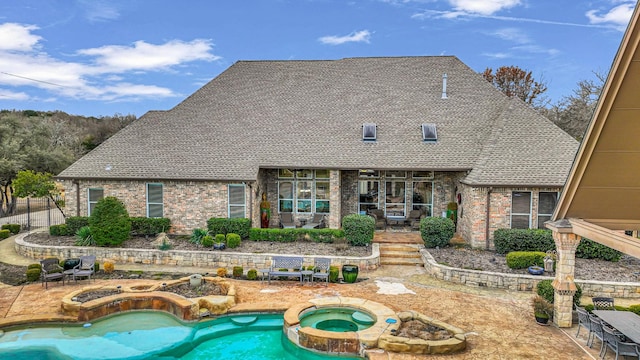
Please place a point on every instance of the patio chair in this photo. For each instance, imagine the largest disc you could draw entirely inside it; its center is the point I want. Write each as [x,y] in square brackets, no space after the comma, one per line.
[378,216]
[316,222]
[85,268]
[603,303]
[321,269]
[286,221]
[596,331]
[614,342]
[414,219]
[583,321]
[51,270]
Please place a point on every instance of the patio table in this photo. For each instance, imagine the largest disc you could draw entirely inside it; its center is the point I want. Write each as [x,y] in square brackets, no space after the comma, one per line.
[626,322]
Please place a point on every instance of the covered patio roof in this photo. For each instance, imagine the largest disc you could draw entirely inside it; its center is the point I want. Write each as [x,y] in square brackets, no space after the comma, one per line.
[601,197]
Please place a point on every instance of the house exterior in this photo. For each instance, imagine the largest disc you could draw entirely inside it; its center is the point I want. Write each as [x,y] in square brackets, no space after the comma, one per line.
[335,137]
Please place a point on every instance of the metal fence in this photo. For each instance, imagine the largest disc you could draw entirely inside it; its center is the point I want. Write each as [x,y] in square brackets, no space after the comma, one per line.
[33,213]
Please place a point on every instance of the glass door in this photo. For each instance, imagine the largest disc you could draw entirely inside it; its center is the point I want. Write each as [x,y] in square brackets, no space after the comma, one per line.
[395,199]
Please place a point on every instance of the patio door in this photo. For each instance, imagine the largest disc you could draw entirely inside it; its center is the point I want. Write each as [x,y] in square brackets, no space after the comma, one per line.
[395,204]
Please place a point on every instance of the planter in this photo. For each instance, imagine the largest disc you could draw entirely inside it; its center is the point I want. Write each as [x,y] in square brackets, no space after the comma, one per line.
[535,270]
[350,273]
[218,246]
[542,320]
[70,263]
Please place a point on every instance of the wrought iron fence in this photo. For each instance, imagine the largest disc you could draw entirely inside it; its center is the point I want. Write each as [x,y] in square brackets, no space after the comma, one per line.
[33,213]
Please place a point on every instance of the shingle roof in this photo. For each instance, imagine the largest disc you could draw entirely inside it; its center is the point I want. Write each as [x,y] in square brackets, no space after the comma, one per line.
[309,114]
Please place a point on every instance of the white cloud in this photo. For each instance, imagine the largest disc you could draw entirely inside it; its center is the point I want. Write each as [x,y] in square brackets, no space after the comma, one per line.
[18,37]
[101,76]
[359,36]
[145,56]
[483,7]
[511,34]
[96,10]
[618,16]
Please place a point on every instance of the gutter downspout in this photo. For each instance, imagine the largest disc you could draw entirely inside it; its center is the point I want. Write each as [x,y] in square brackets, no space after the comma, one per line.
[77,184]
[486,235]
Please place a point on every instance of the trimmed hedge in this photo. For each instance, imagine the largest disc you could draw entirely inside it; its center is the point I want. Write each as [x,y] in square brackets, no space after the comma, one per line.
[436,231]
[149,226]
[58,230]
[233,240]
[220,239]
[5,233]
[74,223]
[13,228]
[545,289]
[588,249]
[507,240]
[109,222]
[524,259]
[359,229]
[252,274]
[291,235]
[224,226]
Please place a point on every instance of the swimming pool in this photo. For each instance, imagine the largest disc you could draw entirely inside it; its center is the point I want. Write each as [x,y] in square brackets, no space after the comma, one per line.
[157,335]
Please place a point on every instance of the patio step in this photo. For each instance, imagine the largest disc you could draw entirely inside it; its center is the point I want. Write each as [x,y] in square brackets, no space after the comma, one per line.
[400,254]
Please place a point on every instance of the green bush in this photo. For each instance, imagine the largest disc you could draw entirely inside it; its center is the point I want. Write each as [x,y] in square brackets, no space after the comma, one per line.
[290,235]
[358,229]
[220,239]
[33,274]
[149,226]
[109,222]
[237,271]
[334,273]
[13,228]
[34,266]
[233,240]
[252,274]
[524,259]
[84,237]
[224,226]
[207,241]
[5,233]
[74,223]
[545,289]
[197,234]
[635,309]
[507,240]
[58,230]
[588,249]
[436,231]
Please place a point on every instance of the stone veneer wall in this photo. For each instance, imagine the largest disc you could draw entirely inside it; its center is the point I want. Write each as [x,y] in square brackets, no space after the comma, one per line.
[517,282]
[212,259]
[472,212]
[189,204]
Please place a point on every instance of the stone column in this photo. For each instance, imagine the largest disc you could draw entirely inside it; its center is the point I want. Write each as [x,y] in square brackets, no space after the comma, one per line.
[563,284]
[335,199]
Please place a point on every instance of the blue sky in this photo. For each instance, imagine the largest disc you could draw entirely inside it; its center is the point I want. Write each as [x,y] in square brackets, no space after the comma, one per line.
[97,58]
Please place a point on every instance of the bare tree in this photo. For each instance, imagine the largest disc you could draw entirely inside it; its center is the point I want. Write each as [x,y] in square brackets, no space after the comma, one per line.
[513,81]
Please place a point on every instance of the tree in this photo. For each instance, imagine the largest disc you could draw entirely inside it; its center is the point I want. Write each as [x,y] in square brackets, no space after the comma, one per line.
[573,113]
[32,184]
[109,222]
[513,81]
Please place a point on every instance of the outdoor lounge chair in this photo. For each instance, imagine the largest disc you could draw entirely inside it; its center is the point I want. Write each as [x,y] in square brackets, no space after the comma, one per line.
[321,269]
[378,216]
[51,270]
[414,219]
[286,221]
[316,222]
[85,268]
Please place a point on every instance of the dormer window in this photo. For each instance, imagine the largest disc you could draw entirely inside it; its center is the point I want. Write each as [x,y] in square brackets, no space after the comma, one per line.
[369,132]
[429,133]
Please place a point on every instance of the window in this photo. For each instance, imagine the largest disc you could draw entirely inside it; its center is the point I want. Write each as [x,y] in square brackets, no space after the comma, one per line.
[395,202]
[369,173]
[369,132]
[285,196]
[307,191]
[395,174]
[94,195]
[423,197]
[422,175]
[520,210]
[237,204]
[546,204]
[429,133]
[155,206]
[369,191]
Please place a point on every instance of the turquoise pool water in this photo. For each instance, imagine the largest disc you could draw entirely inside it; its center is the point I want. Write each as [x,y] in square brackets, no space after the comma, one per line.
[337,319]
[156,335]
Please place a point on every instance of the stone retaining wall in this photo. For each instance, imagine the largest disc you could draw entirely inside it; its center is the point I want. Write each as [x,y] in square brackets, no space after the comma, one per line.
[517,282]
[210,259]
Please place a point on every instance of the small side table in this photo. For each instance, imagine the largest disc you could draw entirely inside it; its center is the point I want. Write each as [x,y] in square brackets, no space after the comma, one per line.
[263,272]
[307,274]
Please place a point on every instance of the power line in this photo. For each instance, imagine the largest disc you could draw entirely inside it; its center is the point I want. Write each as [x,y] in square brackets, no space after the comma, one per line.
[31,79]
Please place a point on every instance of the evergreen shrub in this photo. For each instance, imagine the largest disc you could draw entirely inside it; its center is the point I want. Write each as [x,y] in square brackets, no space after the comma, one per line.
[358,229]
[224,226]
[588,249]
[13,228]
[149,226]
[507,240]
[74,223]
[109,222]
[436,231]
[252,274]
[233,240]
[524,259]
[5,233]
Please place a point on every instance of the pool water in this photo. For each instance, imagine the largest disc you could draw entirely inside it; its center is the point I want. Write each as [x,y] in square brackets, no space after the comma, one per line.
[336,318]
[156,335]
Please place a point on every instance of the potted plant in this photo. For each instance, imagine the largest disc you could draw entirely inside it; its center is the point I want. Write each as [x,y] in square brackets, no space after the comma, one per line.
[542,309]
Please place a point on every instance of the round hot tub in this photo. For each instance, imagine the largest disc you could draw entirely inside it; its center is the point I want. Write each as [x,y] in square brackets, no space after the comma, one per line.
[337,319]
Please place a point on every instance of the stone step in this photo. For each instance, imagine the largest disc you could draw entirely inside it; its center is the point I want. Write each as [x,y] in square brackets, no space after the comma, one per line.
[400,261]
[400,254]
[397,247]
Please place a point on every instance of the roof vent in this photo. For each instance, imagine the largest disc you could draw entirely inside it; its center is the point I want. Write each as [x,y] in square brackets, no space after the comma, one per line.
[444,86]
[369,132]
[429,133]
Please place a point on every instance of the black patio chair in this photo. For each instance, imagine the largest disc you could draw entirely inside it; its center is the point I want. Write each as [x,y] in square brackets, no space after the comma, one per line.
[596,331]
[612,339]
[603,303]
[583,321]
[50,271]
